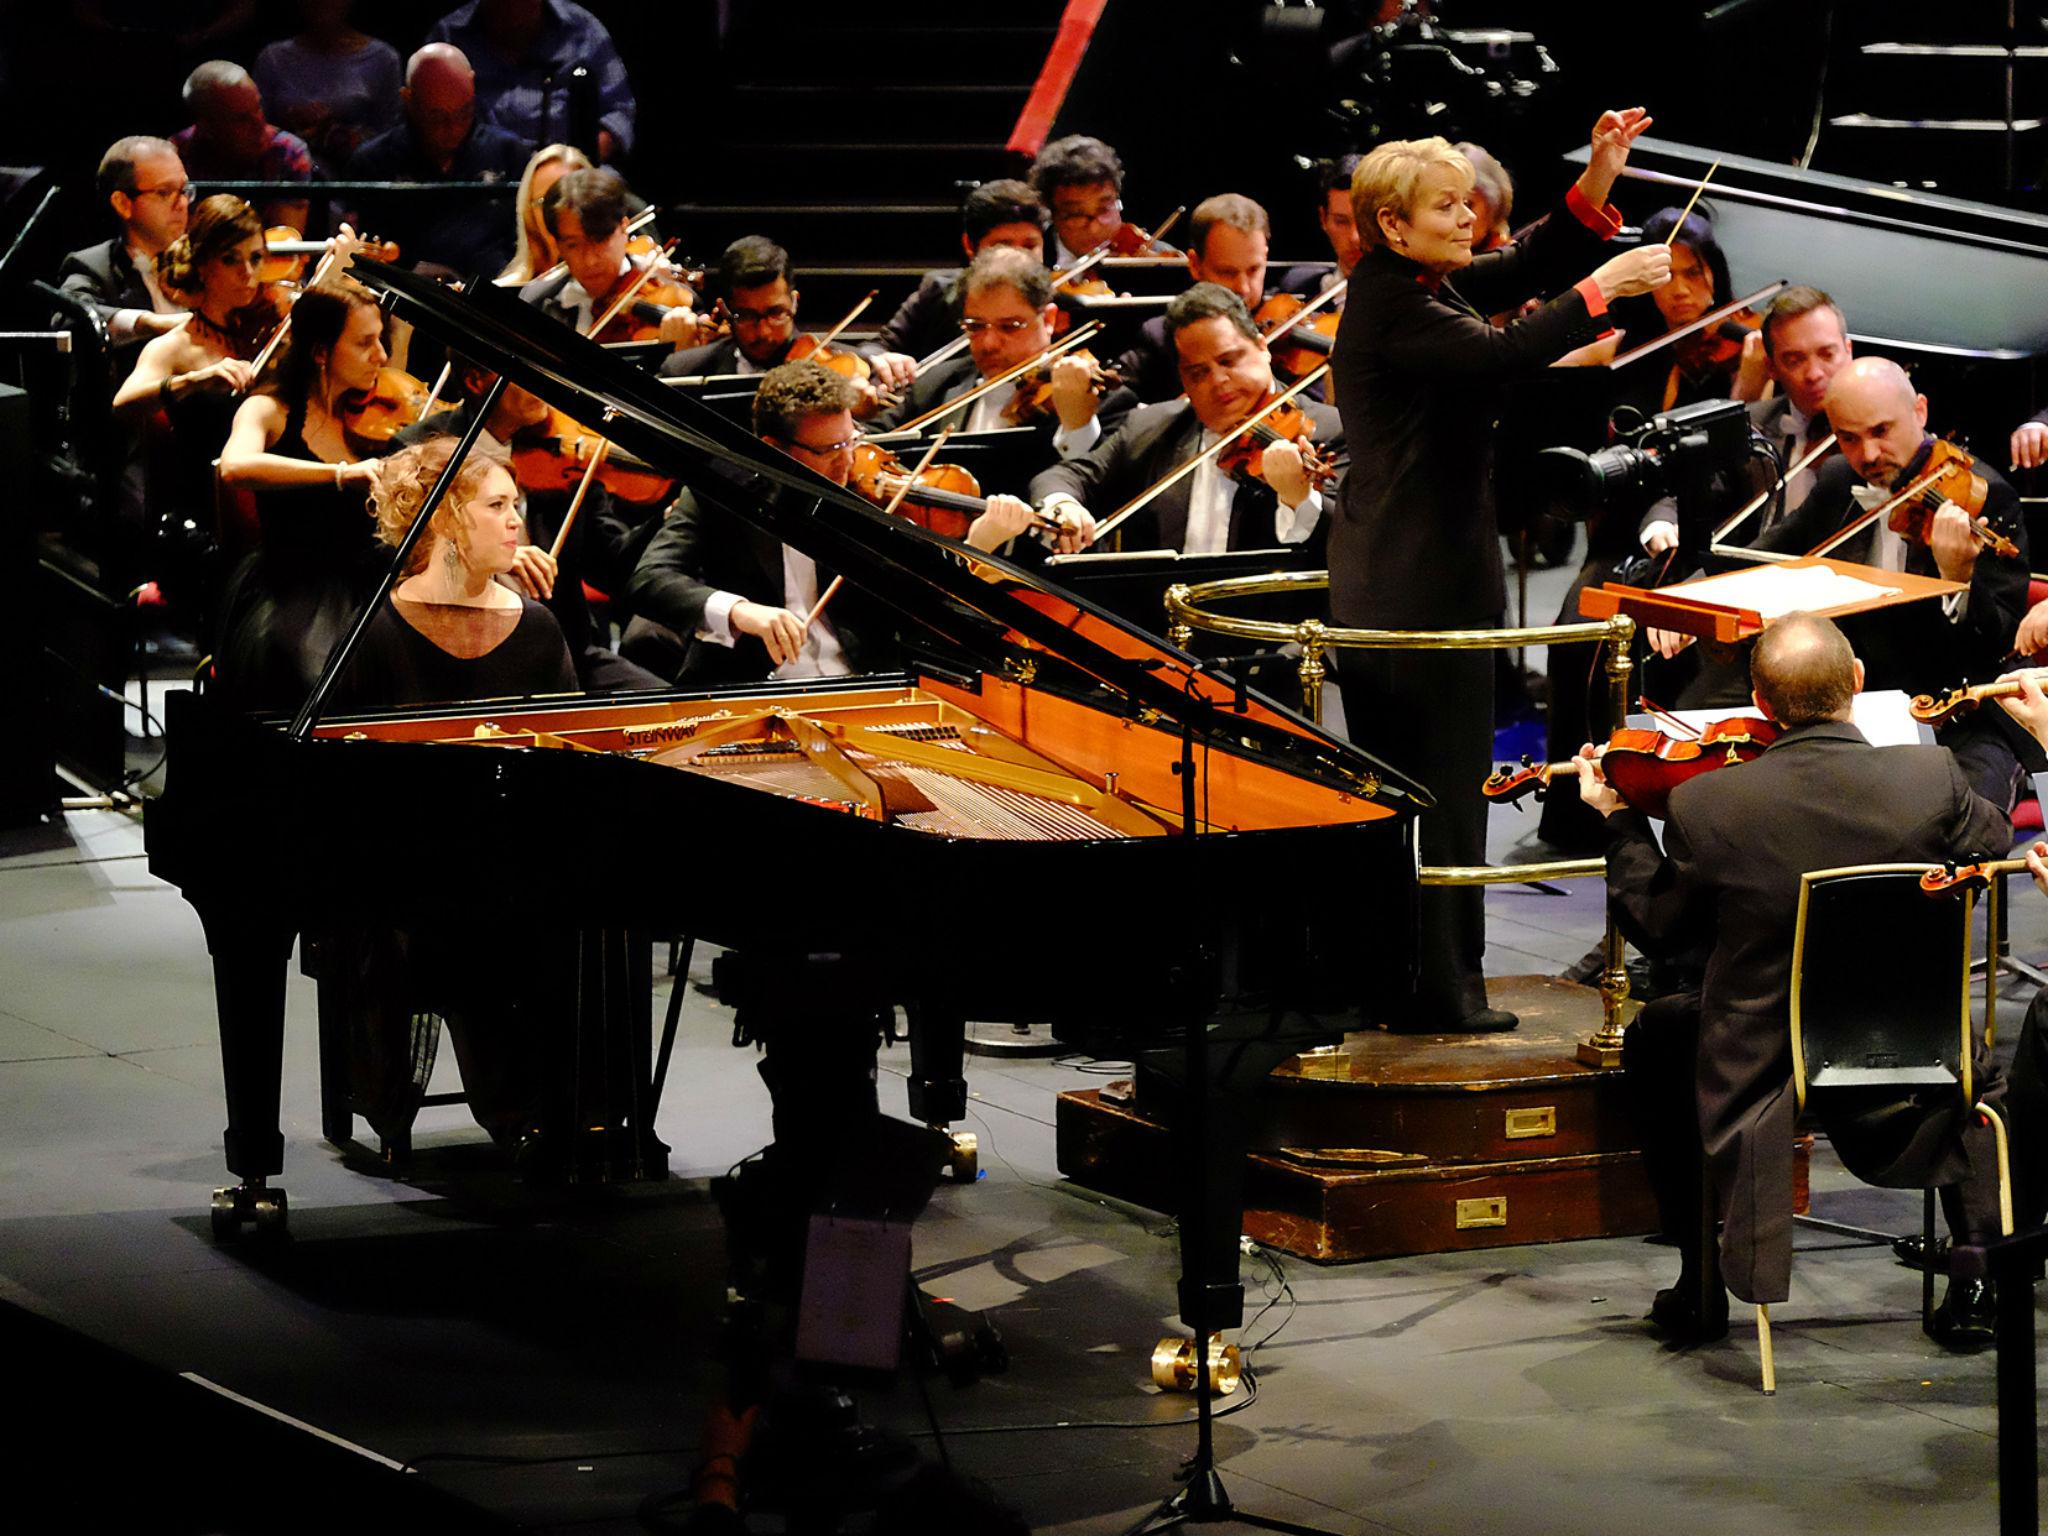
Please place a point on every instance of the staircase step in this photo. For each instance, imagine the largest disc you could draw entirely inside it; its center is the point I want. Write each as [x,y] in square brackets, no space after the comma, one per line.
[894,172]
[921,234]
[1961,156]
[808,112]
[994,55]
[1969,76]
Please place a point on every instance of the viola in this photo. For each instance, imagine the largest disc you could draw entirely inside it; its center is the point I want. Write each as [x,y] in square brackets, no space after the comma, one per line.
[1305,346]
[1645,765]
[1937,709]
[1958,879]
[395,402]
[1245,459]
[943,498]
[552,455]
[1033,400]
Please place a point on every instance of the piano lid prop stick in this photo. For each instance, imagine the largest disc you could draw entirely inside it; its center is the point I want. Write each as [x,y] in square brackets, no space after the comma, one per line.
[640,279]
[895,501]
[1698,188]
[1137,503]
[604,446]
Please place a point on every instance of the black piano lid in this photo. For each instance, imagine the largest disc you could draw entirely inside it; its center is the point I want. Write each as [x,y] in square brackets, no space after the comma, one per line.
[917,573]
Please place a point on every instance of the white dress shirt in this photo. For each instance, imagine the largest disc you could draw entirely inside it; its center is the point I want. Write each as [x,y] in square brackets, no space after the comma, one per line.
[122,326]
[822,655]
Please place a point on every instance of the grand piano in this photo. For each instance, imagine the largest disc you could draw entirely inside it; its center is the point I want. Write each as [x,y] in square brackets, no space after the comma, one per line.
[1036,774]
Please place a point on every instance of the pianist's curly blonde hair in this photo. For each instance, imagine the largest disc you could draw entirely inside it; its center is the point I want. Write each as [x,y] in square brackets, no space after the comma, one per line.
[406,479]
[1391,178]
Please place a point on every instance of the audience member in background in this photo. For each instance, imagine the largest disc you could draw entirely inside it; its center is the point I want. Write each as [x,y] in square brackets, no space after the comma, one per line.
[1492,200]
[330,84]
[534,251]
[1081,182]
[229,140]
[139,50]
[524,52]
[996,213]
[142,181]
[441,138]
[293,596]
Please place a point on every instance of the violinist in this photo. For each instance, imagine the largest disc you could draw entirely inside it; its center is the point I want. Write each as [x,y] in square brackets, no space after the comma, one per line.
[142,181]
[754,287]
[996,213]
[440,138]
[1493,201]
[1228,235]
[1880,422]
[715,600]
[534,248]
[1703,366]
[1227,374]
[1728,875]
[1339,227]
[1081,181]
[585,213]
[1417,375]
[1008,321]
[292,597]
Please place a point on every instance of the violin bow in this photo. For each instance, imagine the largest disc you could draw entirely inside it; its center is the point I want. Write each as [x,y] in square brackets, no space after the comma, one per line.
[1181,471]
[640,280]
[284,323]
[1066,343]
[434,394]
[1890,504]
[895,501]
[851,315]
[1711,317]
[597,457]
[1799,466]
[1329,295]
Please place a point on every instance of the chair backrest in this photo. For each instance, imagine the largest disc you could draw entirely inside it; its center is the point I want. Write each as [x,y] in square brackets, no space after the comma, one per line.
[1880,982]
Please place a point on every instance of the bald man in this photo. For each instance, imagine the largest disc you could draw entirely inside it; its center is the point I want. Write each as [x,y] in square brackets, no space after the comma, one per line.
[1727,876]
[229,140]
[442,138]
[1880,424]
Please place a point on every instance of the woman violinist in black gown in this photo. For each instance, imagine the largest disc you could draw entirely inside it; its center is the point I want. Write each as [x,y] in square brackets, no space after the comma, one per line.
[291,599]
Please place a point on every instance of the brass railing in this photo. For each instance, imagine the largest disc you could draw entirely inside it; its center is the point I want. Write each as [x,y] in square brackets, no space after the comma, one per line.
[1185,615]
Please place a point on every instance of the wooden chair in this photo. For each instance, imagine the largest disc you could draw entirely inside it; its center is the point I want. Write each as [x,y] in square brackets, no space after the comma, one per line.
[1881,999]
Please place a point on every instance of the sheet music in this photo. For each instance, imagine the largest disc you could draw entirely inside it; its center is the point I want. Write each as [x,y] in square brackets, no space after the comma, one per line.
[1772,591]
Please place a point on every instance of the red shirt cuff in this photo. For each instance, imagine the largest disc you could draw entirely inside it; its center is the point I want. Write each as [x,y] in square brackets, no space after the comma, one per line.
[1603,220]
[1596,302]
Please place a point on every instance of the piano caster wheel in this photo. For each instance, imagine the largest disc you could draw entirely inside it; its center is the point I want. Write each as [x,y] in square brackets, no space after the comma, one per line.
[260,1207]
[963,1160]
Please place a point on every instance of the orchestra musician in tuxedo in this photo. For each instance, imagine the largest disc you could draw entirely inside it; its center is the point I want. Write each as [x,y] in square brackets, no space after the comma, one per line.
[1081,182]
[1880,423]
[1228,235]
[996,213]
[1227,374]
[1415,544]
[142,182]
[585,212]
[1728,875]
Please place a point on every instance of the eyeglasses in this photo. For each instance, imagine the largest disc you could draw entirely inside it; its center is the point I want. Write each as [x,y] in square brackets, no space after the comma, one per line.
[972,328]
[1096,215]
[182,194]
[774,314]
[827,450]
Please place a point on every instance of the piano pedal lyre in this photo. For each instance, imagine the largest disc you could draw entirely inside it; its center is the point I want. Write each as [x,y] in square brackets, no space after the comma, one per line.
[255,1205]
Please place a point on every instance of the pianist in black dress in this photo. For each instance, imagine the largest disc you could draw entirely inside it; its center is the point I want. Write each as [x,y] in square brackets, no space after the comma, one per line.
[454,629]
[1417,376]
[292,597]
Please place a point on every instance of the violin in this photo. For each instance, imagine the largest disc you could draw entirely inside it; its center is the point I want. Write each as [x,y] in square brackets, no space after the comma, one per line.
[1956,879]
[639,319]
[1644,765]
[1136,240]
[395,402]
[944,498]
[1033,400]
[1245,459]
[1949,475]
[551,455]
[1306,345]
[1937,709]
[1711,356]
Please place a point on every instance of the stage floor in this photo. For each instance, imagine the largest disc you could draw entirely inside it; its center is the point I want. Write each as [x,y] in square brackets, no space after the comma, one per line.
[549,1361]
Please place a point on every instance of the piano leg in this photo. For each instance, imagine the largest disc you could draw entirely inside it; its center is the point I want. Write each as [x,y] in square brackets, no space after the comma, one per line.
[938,1082]
[251,952]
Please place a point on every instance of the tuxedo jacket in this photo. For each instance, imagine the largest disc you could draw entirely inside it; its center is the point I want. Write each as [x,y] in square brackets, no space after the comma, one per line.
[698,551]
[1418,374]
[1735,847]
[723,356]
[1151,442]
[105,276]
[1925,651]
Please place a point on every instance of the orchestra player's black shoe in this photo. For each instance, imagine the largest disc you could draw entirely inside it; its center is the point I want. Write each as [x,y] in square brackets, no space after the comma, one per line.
[1485,1021]
[1911,1251]
[1676,1314]
[1967,1316]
